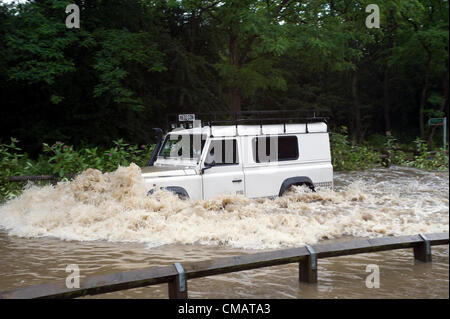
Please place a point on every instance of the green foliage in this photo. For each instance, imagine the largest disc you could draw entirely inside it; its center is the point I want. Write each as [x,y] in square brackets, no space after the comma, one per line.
[36,46]
[64,159]
[347,157]
[252,43]
[120,51]
[423,158]
[123,154]
[11,163]
[132,62]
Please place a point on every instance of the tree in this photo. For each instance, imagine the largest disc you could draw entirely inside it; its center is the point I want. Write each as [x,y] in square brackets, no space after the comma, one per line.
[253,36]
[425,44]
[133,61]
[350,40]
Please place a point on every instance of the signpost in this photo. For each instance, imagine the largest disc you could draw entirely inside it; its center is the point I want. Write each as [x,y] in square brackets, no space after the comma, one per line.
[440,121]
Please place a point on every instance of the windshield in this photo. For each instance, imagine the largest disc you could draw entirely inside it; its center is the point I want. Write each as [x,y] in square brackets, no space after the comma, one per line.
[183,146]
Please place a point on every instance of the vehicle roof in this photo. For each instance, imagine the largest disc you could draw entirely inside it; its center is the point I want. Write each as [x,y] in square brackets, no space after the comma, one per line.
[246,130]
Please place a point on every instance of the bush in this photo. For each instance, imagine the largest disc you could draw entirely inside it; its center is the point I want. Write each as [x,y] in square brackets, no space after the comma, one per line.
[347,157]
[423,158]
[11,163]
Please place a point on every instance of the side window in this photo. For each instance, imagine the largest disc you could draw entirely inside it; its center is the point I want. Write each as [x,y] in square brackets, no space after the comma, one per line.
[223,152]
[275,148]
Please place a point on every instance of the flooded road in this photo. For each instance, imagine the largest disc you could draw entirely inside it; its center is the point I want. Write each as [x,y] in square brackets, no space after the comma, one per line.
[103,223]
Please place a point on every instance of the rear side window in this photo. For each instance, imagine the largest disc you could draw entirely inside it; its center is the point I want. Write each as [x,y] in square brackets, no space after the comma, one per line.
[275,148]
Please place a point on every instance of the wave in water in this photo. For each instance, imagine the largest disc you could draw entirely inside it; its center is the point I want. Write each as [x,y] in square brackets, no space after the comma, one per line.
[114,207]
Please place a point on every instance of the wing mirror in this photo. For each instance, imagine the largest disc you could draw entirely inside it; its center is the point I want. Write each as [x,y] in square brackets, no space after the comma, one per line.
[208,166]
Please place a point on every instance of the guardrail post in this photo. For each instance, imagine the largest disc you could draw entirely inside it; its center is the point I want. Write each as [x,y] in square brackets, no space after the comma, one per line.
[423,252]
[178,286]
[308,267]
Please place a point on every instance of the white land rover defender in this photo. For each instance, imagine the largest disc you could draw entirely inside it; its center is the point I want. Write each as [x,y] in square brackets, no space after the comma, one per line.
[200,159]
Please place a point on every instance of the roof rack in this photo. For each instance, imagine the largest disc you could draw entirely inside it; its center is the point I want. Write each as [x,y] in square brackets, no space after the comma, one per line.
[265,117]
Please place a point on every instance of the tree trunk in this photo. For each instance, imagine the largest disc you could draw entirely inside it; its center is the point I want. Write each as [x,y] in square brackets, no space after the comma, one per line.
[387,117]
[357,114]
[423,98]
[390,30]
[443,103]
[235,91]
[235,97]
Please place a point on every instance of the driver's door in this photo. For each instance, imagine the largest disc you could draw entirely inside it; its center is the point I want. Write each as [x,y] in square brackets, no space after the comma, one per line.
[222,166]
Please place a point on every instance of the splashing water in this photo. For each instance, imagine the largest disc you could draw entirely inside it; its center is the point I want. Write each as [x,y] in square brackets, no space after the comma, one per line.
[115,207]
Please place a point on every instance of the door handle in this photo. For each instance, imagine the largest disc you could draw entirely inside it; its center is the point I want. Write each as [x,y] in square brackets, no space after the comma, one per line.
[237,180]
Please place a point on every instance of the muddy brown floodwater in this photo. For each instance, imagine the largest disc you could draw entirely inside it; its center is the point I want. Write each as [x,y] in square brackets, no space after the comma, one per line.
[105,223]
